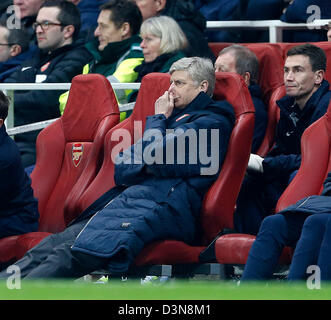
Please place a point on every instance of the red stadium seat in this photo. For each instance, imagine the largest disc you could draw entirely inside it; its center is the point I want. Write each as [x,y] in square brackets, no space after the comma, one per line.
[219,202]
[69,155]
[315,165]
[152,87]
[273,118]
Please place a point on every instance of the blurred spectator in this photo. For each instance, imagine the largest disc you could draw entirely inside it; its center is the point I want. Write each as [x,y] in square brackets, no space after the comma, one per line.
[192,22]
[4,5]
[163,42]
[58,59]
[14,49]
[28,10]
[116,51]
[89,12]
[18,208]
[239,59]
[260,10]
[304,11]
[220,10]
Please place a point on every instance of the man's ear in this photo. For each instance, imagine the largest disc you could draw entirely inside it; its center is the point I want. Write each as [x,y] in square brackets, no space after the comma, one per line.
[126,30]
[68,31]
[247,78]
[160,5]
[319,76]
[204,86]
[15,50]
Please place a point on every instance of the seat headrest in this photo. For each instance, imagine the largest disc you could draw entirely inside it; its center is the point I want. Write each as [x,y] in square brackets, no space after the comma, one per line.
[153,85]
[80,119]
[231,87]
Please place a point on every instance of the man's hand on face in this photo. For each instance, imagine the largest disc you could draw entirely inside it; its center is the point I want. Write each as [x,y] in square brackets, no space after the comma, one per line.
[165,104]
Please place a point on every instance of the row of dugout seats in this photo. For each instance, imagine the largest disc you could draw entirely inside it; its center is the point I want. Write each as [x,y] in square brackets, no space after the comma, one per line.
[75,166]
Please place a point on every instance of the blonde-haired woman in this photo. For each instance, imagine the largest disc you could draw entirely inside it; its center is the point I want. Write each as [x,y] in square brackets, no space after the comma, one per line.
[163,43]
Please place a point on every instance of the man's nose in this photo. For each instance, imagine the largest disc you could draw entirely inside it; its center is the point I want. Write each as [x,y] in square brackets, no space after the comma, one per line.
[97,32]
[39,29]
[171,87]
[289,76]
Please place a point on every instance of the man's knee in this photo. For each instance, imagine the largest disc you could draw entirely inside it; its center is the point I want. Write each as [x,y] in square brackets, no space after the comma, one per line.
[316,223]
[274,224]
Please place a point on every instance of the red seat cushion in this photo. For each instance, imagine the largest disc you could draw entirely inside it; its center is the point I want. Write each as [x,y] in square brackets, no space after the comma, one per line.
[168,252]
[234,249]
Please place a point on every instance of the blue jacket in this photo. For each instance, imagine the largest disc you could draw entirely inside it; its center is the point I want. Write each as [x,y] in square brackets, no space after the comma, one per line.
[220,10]
[160,200]
[285,157]
[298,11]
[261,116]
[18,208]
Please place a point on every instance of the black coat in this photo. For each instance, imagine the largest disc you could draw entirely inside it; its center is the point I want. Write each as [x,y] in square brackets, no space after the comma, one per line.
[161,199]
[285,157]
[193,24]
[18,208]
[261,117]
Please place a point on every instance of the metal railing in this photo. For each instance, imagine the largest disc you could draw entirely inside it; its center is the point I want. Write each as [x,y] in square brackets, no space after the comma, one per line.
[275,27]
[9,88]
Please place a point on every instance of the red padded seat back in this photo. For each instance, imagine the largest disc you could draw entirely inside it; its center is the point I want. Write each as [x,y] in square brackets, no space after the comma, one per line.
[152,87]
[273,118]
[270,67]
[216,47]
[69,151]
[315,163]
[220,200]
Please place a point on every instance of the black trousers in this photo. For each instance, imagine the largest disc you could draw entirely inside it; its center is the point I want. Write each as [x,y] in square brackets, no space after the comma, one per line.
[52,258]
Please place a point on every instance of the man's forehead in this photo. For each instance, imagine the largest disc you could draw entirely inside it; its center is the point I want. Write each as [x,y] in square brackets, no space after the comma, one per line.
[298,60]
[180,75]
[48,13]
[105,16]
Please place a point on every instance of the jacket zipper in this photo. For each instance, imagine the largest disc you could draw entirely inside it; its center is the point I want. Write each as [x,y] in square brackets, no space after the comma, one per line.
[303,202]
[92,218]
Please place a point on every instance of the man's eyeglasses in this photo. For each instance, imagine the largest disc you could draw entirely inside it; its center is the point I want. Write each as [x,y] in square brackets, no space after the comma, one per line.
[45,25]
